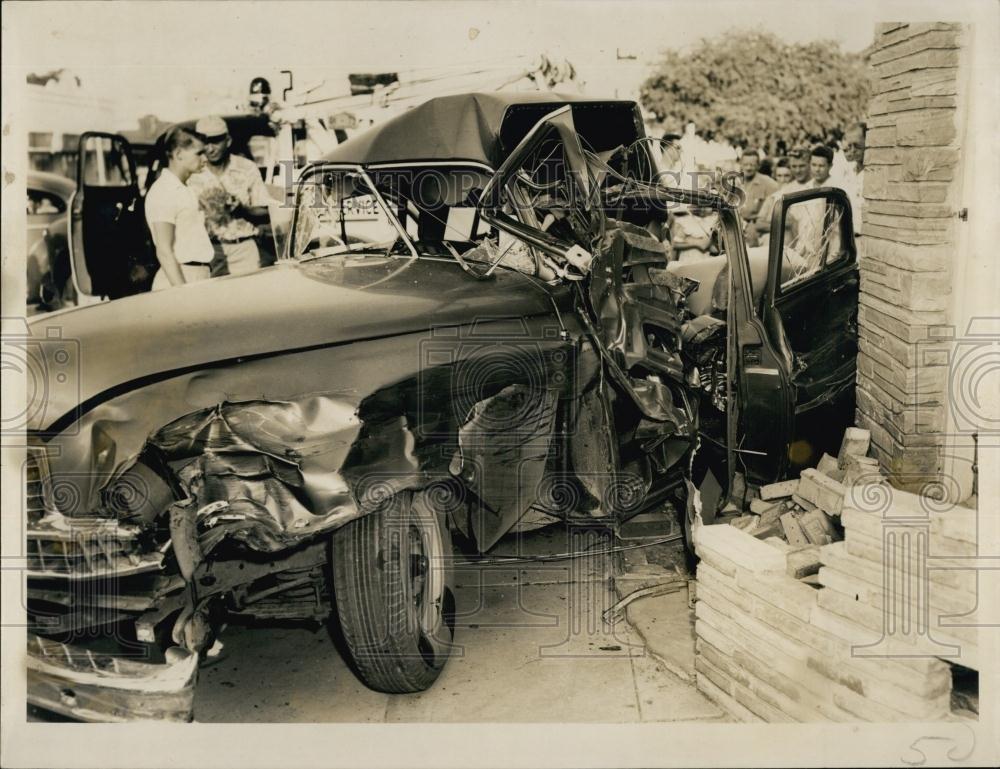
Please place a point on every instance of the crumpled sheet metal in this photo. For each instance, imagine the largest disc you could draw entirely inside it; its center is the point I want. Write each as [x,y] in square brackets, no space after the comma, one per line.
[343,375]
[503,450]
[622,310]
[623,307]
[276,465]
[643,248]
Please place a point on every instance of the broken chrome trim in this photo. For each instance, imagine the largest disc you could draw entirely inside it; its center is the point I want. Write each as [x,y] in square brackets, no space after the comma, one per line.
[79,684]
[90,547]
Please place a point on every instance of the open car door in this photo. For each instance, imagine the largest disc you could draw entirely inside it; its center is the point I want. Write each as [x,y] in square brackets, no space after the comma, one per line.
[110,249]
[797,383]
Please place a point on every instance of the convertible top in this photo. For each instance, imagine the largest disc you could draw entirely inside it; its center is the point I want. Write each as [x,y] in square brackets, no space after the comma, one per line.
[485,127]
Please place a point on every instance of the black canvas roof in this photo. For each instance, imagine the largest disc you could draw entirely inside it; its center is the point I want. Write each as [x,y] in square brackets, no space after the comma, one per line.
[484,128]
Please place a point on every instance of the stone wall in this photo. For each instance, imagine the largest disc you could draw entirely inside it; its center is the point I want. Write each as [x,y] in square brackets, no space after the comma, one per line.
[770,647]
[912,186]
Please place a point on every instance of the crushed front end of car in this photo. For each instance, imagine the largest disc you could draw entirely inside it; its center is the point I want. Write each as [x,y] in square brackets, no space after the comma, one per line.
[126,590]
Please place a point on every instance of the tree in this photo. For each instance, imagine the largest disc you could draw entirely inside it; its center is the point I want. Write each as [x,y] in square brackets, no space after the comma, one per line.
[752,89]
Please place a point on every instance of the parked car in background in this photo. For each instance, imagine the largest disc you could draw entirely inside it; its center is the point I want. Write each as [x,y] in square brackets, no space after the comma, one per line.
[472,328]
[49,278]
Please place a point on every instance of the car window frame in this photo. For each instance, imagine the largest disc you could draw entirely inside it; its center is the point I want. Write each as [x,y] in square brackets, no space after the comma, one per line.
[372,169]
[62,204]
[315,168]
[775,290]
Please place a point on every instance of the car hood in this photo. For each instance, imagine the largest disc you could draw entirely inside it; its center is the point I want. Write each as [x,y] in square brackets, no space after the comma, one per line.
[90,354]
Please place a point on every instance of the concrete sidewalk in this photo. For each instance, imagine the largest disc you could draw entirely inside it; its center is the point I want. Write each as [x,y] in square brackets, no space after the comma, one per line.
[532,647]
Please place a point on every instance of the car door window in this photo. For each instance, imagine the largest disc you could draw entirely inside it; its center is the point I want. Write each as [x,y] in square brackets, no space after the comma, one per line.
[41,203]
[812,237]
[105,164]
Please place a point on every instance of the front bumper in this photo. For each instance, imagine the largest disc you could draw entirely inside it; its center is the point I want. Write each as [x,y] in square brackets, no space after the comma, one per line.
[82,685]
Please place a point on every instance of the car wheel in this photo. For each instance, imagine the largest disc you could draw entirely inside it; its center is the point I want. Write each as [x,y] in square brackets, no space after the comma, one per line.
[393,583]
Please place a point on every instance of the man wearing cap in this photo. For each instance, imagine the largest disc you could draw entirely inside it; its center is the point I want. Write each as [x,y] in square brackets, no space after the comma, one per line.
[234,199]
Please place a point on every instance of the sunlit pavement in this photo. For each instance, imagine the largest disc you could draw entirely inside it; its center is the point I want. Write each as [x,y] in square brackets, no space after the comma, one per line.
[531,647]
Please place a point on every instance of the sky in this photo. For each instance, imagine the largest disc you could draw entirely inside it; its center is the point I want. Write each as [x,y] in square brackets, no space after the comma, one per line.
[176,59]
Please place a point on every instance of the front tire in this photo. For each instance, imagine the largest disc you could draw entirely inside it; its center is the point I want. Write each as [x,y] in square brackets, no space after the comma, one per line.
[393,583]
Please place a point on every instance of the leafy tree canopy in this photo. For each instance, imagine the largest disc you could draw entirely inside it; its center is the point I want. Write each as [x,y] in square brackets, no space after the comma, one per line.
[752,89]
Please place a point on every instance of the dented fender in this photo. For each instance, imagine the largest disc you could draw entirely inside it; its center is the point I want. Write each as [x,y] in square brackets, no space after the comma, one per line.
[298,445]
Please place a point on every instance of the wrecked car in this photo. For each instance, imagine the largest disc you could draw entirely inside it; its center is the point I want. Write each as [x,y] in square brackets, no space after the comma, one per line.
[474,328]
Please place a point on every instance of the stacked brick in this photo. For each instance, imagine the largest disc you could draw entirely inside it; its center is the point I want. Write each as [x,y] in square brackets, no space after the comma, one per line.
[905,564]
[771,648]
[908,232]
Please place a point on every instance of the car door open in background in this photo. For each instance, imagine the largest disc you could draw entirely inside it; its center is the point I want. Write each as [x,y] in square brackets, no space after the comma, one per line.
[111,252]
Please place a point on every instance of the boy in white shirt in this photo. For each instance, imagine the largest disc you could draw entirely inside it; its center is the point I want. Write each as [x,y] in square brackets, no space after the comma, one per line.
[175,220]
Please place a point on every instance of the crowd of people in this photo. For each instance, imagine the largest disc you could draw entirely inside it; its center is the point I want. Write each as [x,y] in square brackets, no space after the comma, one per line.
[764,181]
[205,208]
[804,168]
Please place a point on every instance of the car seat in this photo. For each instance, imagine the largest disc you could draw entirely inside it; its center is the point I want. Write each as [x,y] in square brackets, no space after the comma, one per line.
[707,272]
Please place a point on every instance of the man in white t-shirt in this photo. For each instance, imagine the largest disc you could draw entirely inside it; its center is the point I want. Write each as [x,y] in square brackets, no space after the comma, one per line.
[692,232]
[174,217]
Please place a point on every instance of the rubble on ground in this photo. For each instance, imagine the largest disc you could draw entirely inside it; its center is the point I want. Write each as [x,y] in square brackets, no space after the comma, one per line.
[804,512]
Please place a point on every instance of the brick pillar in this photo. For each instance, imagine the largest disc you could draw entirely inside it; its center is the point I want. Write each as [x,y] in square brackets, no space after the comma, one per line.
[911,193]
